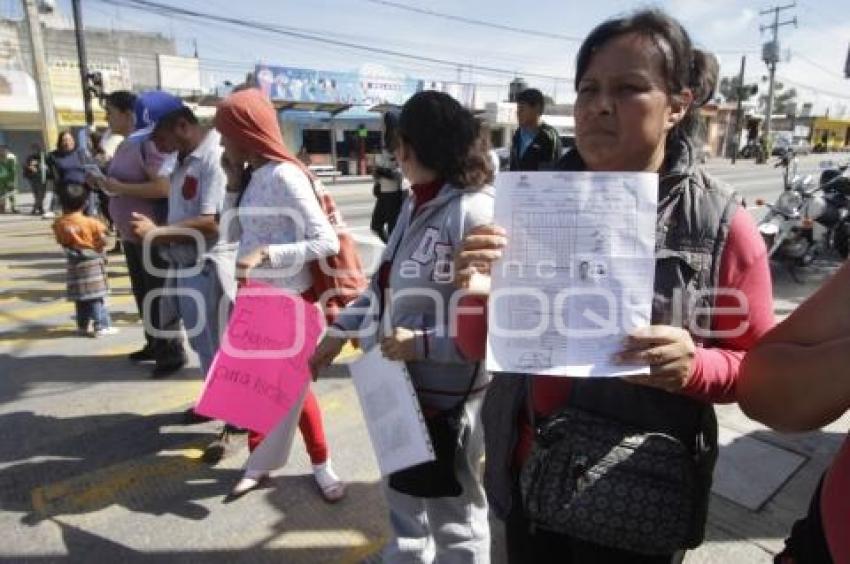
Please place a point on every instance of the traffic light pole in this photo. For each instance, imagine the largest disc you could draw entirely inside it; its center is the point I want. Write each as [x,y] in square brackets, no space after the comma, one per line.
[739,110]
[83,59]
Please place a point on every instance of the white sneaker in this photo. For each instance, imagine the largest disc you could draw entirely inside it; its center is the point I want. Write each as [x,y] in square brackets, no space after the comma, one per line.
[250,481]
[106,331]
[48,215]
[331,487]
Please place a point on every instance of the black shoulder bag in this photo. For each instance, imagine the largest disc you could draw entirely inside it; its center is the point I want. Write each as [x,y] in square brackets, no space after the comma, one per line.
[437,478]
[633,486]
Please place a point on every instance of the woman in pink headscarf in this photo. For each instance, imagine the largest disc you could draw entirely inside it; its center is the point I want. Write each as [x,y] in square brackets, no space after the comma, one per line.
[277,248]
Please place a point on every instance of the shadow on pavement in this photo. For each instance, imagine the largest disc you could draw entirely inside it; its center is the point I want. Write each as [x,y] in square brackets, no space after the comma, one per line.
[54,263]
[36,295]
[337,536]
[83,464]
[22,373]
[55,255]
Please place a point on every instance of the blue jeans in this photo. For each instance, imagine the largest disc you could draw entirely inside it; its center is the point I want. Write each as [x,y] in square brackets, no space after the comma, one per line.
[92,310]
[196,300]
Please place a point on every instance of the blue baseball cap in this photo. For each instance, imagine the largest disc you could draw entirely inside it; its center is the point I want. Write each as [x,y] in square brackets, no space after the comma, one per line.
[153,105]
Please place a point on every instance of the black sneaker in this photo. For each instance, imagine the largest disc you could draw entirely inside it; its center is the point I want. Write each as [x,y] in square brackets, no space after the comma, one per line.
[234,430]
[220,448]
[192,417]
[144,354]
[167,367]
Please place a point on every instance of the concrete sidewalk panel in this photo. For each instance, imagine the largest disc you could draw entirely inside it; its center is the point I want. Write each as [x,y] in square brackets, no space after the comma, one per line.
[750,471]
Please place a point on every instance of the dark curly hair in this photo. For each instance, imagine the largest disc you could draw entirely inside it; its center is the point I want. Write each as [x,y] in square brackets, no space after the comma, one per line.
[446,138]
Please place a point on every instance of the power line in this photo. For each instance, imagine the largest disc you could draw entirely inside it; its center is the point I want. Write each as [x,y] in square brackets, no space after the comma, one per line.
[831,73]
[472,21]
[147,5]
[748,51]
[842,96]
[244,64]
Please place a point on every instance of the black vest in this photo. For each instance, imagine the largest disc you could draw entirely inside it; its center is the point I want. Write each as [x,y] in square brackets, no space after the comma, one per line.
[694,213]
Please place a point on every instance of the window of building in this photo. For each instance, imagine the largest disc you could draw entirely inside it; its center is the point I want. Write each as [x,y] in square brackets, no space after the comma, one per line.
[317,141]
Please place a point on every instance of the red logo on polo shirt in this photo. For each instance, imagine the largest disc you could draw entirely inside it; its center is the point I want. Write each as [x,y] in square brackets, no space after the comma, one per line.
[190,187]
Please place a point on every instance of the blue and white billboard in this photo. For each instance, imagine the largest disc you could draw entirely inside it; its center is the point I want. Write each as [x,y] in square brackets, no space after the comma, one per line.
[310,85]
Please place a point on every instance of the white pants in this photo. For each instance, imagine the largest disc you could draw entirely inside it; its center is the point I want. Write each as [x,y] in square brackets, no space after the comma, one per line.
[445,530]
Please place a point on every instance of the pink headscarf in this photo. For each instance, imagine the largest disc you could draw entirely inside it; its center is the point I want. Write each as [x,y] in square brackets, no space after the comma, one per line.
[249,118]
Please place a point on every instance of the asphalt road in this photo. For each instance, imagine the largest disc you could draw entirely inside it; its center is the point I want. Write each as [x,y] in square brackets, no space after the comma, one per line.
[95,465]
[750,180]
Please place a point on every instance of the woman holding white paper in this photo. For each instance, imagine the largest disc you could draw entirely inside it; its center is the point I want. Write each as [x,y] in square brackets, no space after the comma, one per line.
[640,83]
[281,229]
[443,154]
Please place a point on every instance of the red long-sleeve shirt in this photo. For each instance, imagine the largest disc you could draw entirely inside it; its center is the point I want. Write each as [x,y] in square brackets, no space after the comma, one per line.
[743,267]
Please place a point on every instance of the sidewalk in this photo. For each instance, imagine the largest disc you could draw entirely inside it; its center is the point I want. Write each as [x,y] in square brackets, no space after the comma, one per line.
[95,466]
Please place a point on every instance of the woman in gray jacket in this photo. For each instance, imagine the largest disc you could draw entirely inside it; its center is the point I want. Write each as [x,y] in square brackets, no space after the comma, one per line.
[443,154]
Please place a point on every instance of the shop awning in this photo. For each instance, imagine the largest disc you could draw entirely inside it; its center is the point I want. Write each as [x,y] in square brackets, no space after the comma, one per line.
[384,108]
[326,107]
[331,108]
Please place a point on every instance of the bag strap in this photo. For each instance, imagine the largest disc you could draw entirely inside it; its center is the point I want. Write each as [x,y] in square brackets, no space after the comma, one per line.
[246,179]
[529,401]
[471,383]
[382,297]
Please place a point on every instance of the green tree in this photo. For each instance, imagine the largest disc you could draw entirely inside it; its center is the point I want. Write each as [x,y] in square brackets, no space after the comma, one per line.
[730,86]
[784,101]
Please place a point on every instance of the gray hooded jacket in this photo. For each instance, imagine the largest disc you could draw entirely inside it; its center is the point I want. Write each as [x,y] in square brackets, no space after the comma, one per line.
[421,294]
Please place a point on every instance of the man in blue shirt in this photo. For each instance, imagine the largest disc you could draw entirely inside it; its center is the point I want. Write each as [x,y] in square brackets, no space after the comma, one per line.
[535,145]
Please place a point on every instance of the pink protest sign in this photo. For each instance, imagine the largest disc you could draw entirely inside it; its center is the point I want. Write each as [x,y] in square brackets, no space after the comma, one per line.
[261,367]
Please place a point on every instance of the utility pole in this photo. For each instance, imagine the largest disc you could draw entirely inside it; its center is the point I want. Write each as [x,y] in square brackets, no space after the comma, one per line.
[739,110]
[770,54]
[84,69]
[49,128]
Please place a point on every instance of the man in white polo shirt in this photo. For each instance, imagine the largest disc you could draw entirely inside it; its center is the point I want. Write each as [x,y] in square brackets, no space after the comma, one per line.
[195,204]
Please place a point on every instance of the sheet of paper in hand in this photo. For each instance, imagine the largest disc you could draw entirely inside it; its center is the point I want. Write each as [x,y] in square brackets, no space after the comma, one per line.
[392,413]
[577,274]
[261,368]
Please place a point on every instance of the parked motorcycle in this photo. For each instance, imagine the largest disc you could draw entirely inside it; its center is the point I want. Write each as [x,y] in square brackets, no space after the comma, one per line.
[788,162]
[788,228]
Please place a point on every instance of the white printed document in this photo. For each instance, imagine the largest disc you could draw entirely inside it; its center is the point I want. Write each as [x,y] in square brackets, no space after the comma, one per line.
[578,272]
[391,409]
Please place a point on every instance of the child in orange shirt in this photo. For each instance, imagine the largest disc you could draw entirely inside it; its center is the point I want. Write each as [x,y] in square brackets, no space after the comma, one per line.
[83,239]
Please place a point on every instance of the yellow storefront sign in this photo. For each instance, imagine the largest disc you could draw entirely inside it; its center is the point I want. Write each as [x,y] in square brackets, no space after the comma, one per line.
[76,118]
[832,134]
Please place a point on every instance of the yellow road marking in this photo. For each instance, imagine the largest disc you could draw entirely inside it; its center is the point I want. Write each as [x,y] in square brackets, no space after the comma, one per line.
[348,353]
[42,335]
[52,309]
[360,553]
[125,481]
[16,282]
[48,295]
